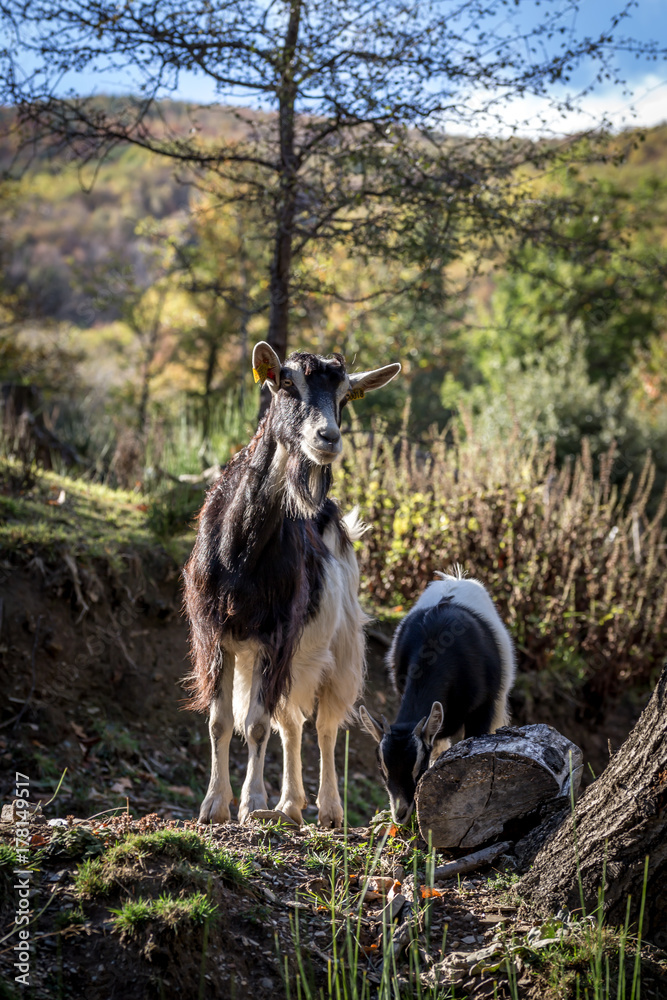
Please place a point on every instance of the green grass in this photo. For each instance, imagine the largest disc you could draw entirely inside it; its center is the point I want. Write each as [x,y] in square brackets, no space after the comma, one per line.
[193,858]
[93,878]
[170,911]
[93,523]
[74,917]
[365,797]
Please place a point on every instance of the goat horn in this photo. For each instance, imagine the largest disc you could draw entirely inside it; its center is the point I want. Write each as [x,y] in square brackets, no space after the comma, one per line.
[420,725]
[386,728]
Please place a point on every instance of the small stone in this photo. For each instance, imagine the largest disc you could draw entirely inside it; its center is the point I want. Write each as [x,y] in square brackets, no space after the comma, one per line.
[266,983]
[469,939]
[393,908]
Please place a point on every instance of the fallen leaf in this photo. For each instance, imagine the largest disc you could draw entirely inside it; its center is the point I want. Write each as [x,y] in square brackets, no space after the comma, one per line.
[394,891]
[59,501]
[37,840]
[428,893]
[122,785]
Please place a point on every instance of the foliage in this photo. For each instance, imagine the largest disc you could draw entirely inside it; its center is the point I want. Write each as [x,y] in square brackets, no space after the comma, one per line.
[193,861]
[549,394]
[576,567]
[351,140]
[608,291]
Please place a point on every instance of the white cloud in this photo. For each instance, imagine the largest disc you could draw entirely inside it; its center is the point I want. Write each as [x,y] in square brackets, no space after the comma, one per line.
[530,115]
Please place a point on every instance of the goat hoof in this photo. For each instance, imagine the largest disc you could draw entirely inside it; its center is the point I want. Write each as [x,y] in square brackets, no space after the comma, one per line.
[250,805]
[331,817]
[214,809]
[292,810]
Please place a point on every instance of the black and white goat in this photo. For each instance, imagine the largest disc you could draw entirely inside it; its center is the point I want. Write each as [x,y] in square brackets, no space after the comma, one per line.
[271,588]
[452,661]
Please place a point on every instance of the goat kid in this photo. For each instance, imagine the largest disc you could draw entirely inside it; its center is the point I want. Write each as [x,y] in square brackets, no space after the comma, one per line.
[271,589]
[452,662]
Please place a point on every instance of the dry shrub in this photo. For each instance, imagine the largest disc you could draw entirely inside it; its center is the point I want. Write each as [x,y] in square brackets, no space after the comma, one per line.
[577,567]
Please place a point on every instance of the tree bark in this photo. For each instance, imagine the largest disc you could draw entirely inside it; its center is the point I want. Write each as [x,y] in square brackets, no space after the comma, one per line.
[281,264]
[480,785]
[620,820]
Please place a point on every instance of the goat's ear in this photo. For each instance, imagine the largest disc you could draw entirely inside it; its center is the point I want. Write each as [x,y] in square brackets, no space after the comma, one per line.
[363,382]
[433,723]
[266,365]
[368,723]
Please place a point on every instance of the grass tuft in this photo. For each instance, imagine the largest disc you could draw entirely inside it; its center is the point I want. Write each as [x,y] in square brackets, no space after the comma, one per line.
[196,859]
[169,911]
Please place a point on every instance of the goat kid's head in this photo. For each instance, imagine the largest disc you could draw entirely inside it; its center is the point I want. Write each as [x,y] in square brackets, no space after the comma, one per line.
[308,395]
[403,753]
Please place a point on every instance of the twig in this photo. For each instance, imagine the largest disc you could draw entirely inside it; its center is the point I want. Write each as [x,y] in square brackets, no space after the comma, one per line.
[74,572]
[375,633]
[104,812]
[472,861]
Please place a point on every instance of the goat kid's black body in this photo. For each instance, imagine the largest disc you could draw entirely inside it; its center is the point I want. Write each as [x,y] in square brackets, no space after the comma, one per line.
[257,567]
[445,654]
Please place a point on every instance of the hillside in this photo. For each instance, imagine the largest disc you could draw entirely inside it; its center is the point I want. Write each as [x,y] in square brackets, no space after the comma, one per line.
[63,219]
[132,897]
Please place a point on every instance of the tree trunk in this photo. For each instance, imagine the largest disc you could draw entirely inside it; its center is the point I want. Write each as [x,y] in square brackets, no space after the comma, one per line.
[281,265]
[481,785]
[211,362]
[620,820]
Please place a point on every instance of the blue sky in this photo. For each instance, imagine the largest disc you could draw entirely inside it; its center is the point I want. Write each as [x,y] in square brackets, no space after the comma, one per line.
[642,102]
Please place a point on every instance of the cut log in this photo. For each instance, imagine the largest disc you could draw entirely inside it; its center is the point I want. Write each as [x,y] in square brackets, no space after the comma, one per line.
[480,784]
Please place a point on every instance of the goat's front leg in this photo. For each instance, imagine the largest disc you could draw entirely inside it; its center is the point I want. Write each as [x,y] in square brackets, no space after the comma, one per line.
[292,797]
[330,809]
[215,807]
[257,732]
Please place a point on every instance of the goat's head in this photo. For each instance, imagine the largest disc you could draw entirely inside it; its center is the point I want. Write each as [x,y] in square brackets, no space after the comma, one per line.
[403,753]
[308,394]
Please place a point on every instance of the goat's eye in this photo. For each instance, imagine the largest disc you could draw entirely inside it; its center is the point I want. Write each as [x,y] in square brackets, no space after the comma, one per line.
[286,383]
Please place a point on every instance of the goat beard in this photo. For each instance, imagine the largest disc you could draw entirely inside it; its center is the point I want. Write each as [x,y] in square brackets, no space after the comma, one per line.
[306,485]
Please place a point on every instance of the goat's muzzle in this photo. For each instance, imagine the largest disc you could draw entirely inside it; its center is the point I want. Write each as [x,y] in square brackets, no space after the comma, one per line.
[325,445]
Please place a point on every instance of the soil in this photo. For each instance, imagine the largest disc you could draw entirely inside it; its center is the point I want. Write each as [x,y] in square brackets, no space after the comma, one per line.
[101,693]
[91,669]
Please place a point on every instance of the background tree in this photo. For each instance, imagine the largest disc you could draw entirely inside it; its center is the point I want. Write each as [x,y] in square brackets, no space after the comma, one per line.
[222,261]
[345,137]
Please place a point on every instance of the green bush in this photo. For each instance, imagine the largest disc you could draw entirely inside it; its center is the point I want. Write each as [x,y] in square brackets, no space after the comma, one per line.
[551,395]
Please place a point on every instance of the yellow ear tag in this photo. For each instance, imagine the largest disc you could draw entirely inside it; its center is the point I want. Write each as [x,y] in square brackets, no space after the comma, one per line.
[356,394]
[263,372]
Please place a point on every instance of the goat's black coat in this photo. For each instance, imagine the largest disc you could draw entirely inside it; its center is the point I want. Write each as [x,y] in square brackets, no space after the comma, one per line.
[447,653]
[444,653]
[257,568]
